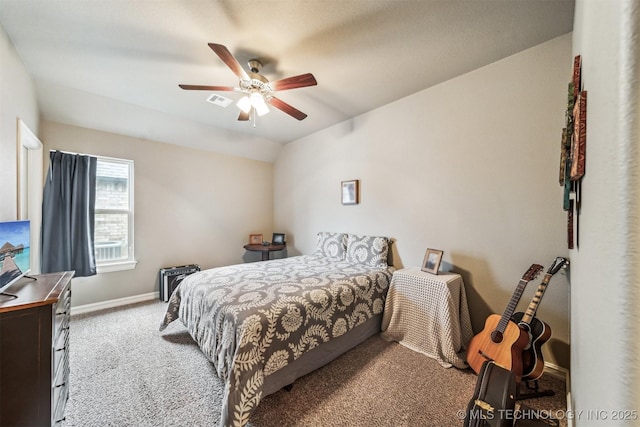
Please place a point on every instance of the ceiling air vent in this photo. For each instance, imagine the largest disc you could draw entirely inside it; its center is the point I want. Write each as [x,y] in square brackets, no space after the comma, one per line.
[219,100]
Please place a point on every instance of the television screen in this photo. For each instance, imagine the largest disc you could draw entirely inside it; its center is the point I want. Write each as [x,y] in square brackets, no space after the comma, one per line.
[15,259]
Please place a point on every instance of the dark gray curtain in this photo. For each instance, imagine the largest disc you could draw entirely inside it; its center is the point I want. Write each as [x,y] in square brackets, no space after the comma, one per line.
[68,214]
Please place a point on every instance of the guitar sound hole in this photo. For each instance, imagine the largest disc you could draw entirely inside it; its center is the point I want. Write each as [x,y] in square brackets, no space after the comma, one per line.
[497,337]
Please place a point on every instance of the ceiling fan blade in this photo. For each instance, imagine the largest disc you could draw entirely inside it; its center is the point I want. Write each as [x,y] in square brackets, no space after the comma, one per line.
[281,105]
[243,117]
[228,59]
[294,82]
[201,87]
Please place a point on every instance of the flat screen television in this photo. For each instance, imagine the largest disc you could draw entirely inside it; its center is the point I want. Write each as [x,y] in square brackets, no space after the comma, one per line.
[15,259]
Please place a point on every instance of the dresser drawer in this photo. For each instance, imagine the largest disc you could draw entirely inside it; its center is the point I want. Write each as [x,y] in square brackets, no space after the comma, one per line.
[60,352]
[61,313]
[60,328]
[61,404]
[61,374]
[64,301]
[60,395]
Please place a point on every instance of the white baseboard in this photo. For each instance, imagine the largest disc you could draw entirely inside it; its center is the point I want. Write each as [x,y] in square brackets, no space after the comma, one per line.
[556,371]
[87,308]
[564,374]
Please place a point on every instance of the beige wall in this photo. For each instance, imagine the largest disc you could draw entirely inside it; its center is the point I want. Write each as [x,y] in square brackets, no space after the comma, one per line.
[605,294]
[469,166]
[17,100]
[191,206]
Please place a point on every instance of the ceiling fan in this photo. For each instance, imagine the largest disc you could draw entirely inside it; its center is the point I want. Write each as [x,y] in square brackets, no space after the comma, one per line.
[258,90]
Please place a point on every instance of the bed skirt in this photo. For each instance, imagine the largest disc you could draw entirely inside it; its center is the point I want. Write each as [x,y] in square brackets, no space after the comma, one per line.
[321,355]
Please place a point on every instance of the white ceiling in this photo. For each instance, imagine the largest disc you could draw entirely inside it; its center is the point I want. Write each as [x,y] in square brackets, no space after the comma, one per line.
[115,65]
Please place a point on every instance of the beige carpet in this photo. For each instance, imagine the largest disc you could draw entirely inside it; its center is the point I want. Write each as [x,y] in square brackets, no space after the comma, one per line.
[126,373]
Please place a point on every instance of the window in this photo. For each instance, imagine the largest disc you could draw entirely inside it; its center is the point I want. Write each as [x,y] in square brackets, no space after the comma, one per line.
[114,215]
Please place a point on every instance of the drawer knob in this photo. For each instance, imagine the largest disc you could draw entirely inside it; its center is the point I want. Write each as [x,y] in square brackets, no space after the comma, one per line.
[61,385]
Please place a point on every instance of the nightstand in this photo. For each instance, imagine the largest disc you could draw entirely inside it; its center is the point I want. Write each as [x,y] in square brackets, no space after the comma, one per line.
[428,313]
[265,249]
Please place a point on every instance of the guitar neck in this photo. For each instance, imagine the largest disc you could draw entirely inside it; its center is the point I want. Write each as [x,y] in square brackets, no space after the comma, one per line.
[535,301]
[515,298]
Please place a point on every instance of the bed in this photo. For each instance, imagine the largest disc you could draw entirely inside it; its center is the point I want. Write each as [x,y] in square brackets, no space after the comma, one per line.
[264,324]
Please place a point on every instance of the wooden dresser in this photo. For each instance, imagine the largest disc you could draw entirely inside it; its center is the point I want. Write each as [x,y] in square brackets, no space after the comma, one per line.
[34,351]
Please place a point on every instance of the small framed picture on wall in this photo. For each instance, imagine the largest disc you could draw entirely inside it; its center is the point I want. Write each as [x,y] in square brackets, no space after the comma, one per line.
[350,192]
[431,262]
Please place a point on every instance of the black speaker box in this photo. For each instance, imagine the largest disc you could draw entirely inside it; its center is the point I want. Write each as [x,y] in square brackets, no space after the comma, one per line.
[169,278]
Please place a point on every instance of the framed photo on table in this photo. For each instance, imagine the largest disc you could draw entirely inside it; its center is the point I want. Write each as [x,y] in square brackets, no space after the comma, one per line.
[277,239]
[432,260]
[255,239]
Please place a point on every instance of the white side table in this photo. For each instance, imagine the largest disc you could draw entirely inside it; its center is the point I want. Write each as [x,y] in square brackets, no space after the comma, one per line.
[428,313]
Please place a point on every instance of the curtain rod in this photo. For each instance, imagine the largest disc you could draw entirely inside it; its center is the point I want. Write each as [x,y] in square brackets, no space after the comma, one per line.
[91,155]
[68,152]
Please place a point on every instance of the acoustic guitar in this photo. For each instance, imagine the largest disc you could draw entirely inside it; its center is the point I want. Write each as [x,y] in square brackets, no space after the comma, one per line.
[537,330]
[502,340]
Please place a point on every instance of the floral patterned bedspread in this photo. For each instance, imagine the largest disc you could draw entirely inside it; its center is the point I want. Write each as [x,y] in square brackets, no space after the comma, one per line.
[252,319]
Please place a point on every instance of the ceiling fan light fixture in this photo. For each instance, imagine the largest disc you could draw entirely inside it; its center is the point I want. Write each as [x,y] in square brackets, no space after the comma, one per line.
[257,101]
[244,104]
